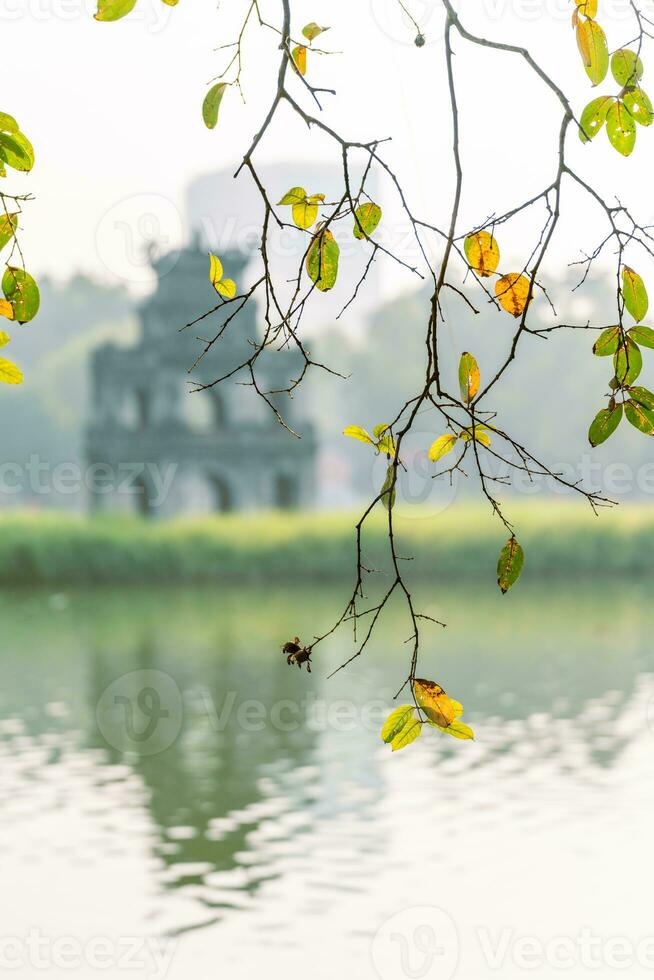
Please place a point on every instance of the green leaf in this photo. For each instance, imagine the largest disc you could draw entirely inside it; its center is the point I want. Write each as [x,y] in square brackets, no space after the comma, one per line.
[304,213]
[396,721]
[295,196]
[591,41]
[642,396]
[22,292]
[458,729]
[388,492]
[607,342]
[640,417]
[17,151]
[627,67]
[408,734]
[593,117]
[368,217]
[442,446]
[8,225]
[639,105]
[628,362]
[9,373]
[312,30]
[621,128]
[356,432]
[604,424]
[510,564]
[468,377]
[642,335]
[386,445]
[7,123]
[322,260]
[634,294]
[211,104]
[114,9]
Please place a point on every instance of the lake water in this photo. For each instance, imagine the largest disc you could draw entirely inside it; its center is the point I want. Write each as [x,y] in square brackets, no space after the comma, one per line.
[177,802]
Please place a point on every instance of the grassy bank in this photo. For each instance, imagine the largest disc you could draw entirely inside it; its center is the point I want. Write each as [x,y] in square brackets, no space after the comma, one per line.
[462,542]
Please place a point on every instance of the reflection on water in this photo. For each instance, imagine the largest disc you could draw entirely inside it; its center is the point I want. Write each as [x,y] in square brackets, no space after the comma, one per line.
[164,774]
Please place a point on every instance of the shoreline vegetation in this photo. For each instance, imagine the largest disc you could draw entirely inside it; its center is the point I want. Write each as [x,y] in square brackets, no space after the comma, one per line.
[463,542]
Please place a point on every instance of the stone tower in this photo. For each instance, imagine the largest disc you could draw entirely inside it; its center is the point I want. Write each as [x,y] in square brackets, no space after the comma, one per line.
[158,449]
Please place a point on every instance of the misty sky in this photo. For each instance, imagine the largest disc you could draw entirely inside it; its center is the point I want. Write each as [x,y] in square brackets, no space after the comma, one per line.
[114,113]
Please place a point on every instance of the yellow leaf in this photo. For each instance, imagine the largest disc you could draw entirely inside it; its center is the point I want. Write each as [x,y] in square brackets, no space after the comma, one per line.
[294,196]
[468,377]
[226,288]
[215,269]
[587,7]
[479,432]
[396,721]
[512,291]
[304,214]
[299,56]
[6,309]
[408,734]
[436,704]
[356,432]
[9,373]
[458,729]
[442,446]
[4,338]
[482,253]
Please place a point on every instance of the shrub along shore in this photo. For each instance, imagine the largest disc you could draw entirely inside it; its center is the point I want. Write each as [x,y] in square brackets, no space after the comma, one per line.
[462,542]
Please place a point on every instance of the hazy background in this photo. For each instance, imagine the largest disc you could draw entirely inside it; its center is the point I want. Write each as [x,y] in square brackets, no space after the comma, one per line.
[167,781]
[123,159]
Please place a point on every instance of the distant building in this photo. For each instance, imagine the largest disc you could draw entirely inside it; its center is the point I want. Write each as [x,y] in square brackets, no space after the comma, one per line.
[156,448]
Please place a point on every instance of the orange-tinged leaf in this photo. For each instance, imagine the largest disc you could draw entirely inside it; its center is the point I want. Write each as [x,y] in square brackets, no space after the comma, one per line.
[6,309]
[435,703]
[482,252]
[299,55]
[512,290]
[469,377]
[322,260]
